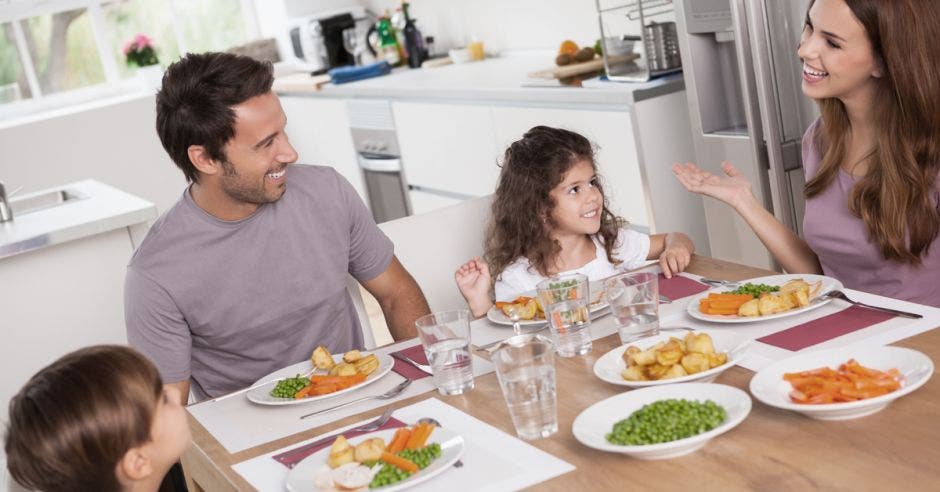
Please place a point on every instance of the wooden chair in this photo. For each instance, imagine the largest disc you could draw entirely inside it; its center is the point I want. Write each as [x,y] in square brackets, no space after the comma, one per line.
[430,246]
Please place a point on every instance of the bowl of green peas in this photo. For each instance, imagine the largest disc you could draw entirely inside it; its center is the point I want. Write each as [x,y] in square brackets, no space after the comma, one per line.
[660,422]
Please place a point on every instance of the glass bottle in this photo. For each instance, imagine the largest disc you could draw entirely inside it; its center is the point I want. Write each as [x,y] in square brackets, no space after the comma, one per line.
[414,43]
[387,42]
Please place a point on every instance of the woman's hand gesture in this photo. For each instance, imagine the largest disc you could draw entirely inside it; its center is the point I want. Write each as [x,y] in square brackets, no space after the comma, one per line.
[733,188]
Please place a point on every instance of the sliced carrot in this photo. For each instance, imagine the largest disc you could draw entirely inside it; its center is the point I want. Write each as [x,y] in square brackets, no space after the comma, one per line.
[358,378]
[730,297]
[303,392]
[416,433]
[395,460]
[423,440]
[398,444]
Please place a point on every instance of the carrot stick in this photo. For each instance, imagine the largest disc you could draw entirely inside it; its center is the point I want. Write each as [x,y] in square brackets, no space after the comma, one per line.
[398,461]
[303,392]
[416,433]
[423,441]
[358,378]
[398,443]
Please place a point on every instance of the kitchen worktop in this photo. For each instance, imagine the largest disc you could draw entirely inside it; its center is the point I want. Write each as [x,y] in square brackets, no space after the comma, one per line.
[503,79]
[99,208]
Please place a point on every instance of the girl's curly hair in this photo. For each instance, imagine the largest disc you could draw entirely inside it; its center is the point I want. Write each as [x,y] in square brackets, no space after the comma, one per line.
[521,220]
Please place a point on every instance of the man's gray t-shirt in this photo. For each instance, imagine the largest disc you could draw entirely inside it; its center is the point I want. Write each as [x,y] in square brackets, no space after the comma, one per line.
[224,303]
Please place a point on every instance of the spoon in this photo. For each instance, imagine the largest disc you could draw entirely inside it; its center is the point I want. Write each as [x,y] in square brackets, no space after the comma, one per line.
[435,423]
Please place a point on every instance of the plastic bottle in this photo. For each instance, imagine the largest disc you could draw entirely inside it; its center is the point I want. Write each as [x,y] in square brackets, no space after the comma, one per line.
[387,42]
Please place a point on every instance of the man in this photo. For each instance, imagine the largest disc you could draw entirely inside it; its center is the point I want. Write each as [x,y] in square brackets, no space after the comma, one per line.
[247,272]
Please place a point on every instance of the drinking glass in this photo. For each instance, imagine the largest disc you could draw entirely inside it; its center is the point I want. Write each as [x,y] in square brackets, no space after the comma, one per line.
[634,302]
[525,368]
[445,337]
[565,300]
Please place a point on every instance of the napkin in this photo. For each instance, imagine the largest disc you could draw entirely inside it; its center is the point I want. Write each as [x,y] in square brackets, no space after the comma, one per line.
[406,370]
[678,287]
[826,328]
[291,457]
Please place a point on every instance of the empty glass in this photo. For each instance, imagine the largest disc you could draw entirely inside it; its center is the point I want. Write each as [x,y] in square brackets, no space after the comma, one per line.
[634,302]
[445,337]
[525,368]
[565,300]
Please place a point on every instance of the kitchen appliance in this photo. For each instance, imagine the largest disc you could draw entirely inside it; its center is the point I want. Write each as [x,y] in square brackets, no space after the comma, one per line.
[318,39]
[376,143]
[742,78]
[620,22]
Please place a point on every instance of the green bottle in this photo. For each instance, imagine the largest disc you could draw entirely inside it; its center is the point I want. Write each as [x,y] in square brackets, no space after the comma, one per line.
[388,42]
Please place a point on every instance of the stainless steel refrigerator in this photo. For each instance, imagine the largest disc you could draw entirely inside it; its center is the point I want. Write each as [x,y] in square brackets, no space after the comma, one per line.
[743,78]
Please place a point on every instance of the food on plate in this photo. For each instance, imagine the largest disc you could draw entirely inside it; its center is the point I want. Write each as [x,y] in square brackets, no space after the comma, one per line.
[527,307]
[673,358]
[373,464]
[354,370]
[850,382]
[752,300]
[322,359]
[667,420]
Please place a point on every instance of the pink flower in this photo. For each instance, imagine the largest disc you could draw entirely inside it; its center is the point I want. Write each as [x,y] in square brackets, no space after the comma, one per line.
[128,46]
[143,41]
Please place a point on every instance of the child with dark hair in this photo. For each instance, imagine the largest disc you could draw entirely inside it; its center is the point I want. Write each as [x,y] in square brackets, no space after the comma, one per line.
[97,419]
[550,216]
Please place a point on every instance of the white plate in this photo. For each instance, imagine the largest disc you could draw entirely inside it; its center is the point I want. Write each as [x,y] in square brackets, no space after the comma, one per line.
[497,316]
[828,283]
[769,386]
[301,477]
[609,366]
[593,424]
[262,394]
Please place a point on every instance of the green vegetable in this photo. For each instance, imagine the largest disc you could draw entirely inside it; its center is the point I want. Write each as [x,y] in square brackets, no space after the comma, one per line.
[667,420]
[597,47]
[754,289]
[390,474]
[286,388]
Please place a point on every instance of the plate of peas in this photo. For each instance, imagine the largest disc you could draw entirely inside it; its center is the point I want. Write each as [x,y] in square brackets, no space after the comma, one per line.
[660,422]
[441,449]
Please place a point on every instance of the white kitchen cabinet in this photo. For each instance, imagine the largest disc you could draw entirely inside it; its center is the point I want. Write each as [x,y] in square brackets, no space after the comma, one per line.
[616,157]
[447,147]
[319,130]
[423,202]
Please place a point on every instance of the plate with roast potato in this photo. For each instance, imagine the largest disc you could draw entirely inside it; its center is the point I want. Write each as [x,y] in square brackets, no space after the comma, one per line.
[763,298]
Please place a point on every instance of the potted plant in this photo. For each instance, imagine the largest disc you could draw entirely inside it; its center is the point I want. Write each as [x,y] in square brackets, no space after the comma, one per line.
[140,52]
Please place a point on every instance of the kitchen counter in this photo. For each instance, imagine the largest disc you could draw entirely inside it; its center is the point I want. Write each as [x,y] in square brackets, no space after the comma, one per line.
[495,80]
[96,208]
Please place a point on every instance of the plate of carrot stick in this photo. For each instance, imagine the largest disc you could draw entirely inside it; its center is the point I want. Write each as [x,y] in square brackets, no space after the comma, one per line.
[763,298]
[842,383]
[315,385]
[387,460]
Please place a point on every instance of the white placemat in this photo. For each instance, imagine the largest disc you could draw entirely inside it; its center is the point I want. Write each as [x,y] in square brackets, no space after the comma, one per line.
[240,424]
[493,460]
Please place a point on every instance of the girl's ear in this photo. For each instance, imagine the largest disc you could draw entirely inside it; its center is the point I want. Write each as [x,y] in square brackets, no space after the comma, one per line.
[134,466]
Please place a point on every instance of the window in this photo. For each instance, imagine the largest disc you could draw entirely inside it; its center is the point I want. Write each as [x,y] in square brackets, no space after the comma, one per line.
[57,52]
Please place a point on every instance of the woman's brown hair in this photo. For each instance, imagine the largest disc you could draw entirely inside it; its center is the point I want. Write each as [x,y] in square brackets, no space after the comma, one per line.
[897,197]
[521,221]
[73,421]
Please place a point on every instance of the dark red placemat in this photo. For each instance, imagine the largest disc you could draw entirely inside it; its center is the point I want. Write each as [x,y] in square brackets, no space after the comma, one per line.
[826,328]
[404,369]
[678,287]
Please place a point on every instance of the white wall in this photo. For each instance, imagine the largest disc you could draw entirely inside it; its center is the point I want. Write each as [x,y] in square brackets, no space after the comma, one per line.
[115,143]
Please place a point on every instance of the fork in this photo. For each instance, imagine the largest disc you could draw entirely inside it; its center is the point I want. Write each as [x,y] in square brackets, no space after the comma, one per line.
[392,393]
[301,452]
[838,294]
[719,283]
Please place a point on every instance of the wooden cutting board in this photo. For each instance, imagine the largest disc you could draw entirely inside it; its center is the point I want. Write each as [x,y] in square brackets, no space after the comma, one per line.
[300,82]
[580,68]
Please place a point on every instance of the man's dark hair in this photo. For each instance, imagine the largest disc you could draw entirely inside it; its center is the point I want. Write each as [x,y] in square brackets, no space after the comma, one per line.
[194,106]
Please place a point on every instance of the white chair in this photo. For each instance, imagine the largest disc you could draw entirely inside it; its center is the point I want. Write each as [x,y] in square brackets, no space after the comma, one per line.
[430,246]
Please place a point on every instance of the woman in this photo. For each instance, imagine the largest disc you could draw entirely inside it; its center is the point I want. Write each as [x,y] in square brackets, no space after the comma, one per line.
[871,159]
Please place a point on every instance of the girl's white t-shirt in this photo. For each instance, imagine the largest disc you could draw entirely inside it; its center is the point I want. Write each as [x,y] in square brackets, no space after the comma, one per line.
[631,248]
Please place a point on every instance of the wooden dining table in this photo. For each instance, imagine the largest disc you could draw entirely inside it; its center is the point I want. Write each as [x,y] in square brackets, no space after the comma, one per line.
[771,449]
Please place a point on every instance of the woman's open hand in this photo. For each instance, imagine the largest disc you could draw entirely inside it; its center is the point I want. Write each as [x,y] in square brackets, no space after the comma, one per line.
[733,188]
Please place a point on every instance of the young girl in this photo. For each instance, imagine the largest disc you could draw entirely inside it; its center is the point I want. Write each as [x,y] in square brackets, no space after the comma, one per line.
[871,159]
[550,216]
[96,419]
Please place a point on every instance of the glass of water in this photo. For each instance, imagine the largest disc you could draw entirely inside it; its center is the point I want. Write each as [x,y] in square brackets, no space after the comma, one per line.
[634,302]
[445,337]
[565,300]
[525,367]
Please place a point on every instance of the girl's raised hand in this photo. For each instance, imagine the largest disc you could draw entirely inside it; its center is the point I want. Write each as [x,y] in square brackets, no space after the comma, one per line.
[474,281]
[732,188]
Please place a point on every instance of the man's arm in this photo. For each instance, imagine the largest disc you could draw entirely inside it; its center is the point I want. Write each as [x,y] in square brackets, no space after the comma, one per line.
[183,388]
[401,299]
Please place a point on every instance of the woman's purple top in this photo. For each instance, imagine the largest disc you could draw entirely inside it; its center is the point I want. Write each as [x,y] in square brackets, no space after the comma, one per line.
[845,251]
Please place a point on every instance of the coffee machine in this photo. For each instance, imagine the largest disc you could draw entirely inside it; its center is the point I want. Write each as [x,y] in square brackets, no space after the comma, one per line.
[317,39]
